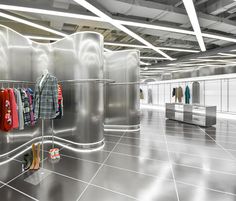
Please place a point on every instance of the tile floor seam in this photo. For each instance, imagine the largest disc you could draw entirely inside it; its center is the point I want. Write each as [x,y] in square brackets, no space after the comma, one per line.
[15,189]
[75,179]
[115,191]
[90,181]
[179,138]
[225,150]
[176,152]
[151,175]
[178,143]
[172,171]
[179,164]
[205,188]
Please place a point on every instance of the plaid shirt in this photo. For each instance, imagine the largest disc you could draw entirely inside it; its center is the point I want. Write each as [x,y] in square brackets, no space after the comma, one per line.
[46,98]
[26,107]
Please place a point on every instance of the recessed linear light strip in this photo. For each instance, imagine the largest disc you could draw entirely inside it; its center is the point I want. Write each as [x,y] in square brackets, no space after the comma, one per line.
[124,22]
[194,21]
[154,58]
[32,24]
[108,19]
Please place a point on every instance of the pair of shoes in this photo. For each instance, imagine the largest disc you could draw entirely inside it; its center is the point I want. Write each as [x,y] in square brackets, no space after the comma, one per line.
[54,153]
[28,158]
[36,157]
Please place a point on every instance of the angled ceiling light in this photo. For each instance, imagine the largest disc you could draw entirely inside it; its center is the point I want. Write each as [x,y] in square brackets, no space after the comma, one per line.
[129,23]
[155,58]
[144,63]
[49,12]
[145,47]
[227,54]
[107,18]
[194,21]
[32,24]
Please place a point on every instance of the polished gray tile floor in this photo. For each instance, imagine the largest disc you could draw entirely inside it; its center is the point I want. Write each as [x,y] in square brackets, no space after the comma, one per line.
[165,161]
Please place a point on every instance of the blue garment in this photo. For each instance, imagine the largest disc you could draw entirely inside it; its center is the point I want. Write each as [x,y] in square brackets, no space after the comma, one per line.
[187,95]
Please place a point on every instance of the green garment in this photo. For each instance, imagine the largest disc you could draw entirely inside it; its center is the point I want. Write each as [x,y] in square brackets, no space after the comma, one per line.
[187,95]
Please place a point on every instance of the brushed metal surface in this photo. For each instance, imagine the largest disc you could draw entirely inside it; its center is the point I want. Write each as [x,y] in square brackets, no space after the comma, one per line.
[78,56]
[122,97]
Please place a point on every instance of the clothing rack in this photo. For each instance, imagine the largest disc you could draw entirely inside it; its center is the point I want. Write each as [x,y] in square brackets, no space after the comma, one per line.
[104,81]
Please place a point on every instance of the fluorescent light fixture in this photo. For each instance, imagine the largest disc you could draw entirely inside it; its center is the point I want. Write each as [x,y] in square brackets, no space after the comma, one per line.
[32,24]
[194,21]
[145,47]
[144,63]
[233,51]
[49,12]
[155,58]
[227,54]
[107,18]
[129,23]
[107,50]
[42,38]
[178,49]
[229,39]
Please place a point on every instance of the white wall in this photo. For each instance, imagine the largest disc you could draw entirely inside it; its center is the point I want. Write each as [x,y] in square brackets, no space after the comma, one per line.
[220,93]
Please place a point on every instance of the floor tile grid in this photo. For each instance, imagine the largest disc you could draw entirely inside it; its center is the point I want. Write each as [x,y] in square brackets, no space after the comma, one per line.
[89,183]
[182,138]
[171,167]
[6,183]
[222,192]
[182,143]
[225,150]
[171,162]
[201,187]
[175,152]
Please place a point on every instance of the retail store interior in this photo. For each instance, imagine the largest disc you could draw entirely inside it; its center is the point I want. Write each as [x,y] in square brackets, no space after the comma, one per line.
[118,100]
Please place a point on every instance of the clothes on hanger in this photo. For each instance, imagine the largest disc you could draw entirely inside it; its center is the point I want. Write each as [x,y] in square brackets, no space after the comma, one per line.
[196,92]
[5,111]
[173,92]
[150,96]
[141,94]
[16,108]
[46,97]
[30,95]
[179,94]
[14,111]
[26,107]
[60,109]
[187,95]
[19,108]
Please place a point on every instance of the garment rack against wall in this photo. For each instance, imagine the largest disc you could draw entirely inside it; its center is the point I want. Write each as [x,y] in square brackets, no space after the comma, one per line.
[105,81]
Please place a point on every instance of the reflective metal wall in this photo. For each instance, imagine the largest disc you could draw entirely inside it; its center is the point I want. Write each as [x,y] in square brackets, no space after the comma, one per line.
[79,56]
[122,98]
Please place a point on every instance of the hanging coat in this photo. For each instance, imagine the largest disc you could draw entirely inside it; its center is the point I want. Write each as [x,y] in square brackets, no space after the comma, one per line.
[14,111]
[26,106]
[173,92]
[60,111]
[46,97]
[187,95]
[20,108]
[5,111]
[196,92]
[180,94]
[30,93]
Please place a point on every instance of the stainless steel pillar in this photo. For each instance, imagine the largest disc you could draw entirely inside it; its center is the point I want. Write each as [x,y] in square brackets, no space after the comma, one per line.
[76,57]
[122,97]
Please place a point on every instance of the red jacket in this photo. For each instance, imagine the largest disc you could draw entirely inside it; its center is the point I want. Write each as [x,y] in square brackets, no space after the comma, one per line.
[5,111]
[14,112]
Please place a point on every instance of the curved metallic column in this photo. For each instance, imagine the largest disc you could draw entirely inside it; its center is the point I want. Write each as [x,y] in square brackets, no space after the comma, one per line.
[76,57]
[122,97]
